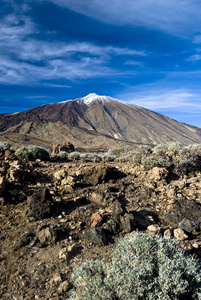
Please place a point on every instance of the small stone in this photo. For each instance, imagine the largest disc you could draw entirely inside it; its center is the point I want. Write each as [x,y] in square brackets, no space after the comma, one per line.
[63,254]
[56,279]
[64,287]
[186,245]
[46,237]
[196,244]
[70,248]
[153,228]
[167,234]
[180,235]
[97,218]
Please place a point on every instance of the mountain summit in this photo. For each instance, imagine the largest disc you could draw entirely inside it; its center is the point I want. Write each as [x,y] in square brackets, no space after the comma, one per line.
[92,97]
[94,122]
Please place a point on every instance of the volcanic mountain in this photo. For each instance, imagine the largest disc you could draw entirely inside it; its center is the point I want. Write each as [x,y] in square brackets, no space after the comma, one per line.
[94,122]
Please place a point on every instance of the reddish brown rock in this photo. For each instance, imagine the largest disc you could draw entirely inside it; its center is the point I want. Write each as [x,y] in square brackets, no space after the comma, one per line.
[97,218]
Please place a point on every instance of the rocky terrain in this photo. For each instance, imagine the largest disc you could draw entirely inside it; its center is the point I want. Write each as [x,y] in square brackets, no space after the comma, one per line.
[93,122]
[56,215]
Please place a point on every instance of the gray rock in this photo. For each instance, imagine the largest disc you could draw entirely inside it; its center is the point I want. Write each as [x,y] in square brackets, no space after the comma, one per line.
[186,225]
[47,236]
[183,209]
[116,209]
[95,235]
[127,223]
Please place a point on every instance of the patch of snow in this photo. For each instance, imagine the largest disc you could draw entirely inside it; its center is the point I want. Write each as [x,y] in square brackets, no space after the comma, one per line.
[63,101]
[92,97]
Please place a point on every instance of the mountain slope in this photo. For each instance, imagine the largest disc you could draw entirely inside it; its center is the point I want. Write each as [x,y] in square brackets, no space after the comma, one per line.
[94,122]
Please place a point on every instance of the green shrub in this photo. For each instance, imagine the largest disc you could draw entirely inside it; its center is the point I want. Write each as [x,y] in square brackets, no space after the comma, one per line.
[129,156]
[108,156]
[74,155]
[63,155]
[90,157]
[174,148]
[160,149]
[32,153]
[141,267]
[155,161]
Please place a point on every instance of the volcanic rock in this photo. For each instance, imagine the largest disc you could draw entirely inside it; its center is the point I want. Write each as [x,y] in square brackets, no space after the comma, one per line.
[39,204]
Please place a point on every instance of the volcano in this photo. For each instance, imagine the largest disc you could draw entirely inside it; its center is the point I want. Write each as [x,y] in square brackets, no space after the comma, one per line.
[94,122]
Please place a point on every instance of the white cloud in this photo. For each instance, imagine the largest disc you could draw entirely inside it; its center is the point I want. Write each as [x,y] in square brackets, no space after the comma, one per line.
[26,60]
[163,100]
[39,50]
[197,39]
[133,63]
[181,17]
[194,57]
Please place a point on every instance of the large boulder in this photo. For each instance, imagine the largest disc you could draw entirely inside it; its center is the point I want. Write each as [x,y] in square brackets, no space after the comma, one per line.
[40,204]
[102,199]
[186,214]
[94,175]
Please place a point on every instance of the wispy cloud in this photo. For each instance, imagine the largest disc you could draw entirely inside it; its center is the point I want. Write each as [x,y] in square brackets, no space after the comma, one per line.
[175,17]
[34,97]
[194,57]
[162,100]
[25,59]
[133,63]
[197,39]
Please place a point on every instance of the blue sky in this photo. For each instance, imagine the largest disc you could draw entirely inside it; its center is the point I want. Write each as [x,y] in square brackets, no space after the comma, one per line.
[146,53]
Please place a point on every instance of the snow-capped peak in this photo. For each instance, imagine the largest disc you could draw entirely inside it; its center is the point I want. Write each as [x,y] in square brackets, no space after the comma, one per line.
[94,97]
[91,98]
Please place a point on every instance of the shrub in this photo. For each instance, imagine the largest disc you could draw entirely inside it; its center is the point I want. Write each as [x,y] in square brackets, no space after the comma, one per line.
[90,157]
[155,161]
[188,159]
[4,146]
[174,148]
[32,153]
[108,156]
[160,149]
[96,158]
[63,155]
[129,156]
[74,155]
[142,267]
